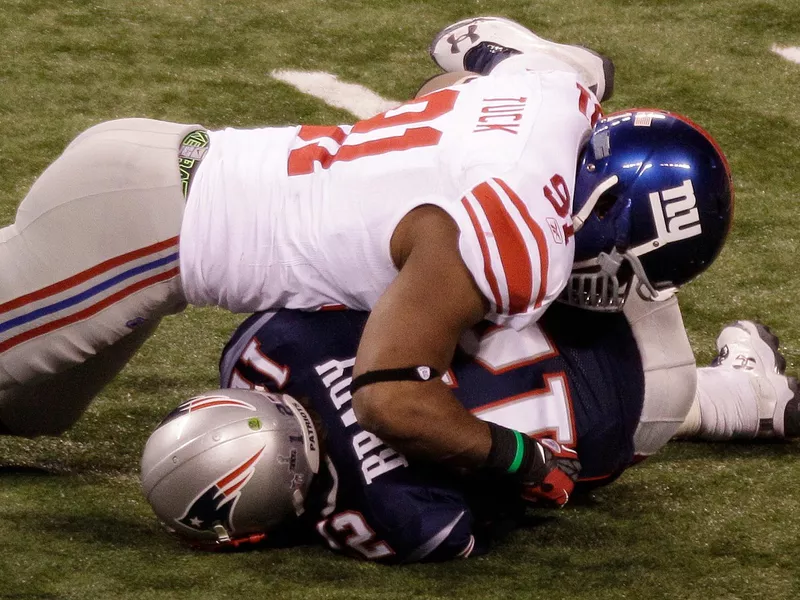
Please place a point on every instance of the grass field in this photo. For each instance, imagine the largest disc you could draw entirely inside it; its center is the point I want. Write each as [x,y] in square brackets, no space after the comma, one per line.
[696,522]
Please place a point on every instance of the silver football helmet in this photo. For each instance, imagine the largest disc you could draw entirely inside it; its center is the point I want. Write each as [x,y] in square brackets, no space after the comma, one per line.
[229,466]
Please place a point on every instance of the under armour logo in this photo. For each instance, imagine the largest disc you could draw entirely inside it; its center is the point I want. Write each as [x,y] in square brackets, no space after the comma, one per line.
[470,35]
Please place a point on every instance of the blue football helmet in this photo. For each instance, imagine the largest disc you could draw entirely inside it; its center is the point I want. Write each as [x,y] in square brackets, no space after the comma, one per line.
[653,205]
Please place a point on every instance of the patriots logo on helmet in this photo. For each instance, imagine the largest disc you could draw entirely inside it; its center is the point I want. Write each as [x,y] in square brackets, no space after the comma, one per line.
[205,402]
[217,503]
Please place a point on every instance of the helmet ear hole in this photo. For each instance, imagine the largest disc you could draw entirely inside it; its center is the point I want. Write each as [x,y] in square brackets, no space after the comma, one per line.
[604,205]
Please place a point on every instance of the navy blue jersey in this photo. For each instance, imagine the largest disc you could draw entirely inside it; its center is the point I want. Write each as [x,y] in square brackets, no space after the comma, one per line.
[577,378]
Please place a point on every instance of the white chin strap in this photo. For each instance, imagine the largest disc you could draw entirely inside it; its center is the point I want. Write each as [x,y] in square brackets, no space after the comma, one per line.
[586,210]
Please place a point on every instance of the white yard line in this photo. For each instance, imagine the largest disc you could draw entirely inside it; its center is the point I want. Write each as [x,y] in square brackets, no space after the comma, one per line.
[354,98]
[791,53]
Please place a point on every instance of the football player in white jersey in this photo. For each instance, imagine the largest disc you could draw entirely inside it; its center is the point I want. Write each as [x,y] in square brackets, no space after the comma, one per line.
[471,202]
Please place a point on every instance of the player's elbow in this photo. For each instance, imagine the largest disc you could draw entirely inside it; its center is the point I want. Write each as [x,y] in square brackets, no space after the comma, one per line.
[380,410]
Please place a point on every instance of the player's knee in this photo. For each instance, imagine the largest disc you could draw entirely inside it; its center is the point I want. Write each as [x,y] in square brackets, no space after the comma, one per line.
[443,80]
[42,409]
[33,428]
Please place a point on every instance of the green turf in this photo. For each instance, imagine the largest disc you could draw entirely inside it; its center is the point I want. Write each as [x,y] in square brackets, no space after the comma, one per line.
[697,522]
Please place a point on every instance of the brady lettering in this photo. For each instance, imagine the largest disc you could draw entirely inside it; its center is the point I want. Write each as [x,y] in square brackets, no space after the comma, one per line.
[375,457]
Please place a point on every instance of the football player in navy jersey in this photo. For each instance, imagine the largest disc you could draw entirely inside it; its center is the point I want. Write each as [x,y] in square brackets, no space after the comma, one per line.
[613,387]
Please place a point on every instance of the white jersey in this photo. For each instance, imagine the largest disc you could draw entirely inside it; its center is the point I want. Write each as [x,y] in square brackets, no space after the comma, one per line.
[302,217]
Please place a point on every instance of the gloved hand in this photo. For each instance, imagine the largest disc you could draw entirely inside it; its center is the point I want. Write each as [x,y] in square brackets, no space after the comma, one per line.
[551,477]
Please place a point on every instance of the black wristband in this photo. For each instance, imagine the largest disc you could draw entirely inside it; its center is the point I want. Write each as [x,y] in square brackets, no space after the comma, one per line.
[512,453]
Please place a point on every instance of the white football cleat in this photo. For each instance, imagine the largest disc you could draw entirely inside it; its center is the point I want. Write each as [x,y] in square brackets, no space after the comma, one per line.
[473,42]
[752,347]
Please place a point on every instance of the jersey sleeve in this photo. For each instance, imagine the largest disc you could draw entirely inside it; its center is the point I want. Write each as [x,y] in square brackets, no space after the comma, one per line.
[519,253]
[516,173]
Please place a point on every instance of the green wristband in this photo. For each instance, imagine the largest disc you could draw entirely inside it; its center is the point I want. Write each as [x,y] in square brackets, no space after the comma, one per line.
[515,464]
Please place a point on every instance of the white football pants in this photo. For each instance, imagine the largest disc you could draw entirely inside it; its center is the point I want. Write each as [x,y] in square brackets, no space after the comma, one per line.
[88,269]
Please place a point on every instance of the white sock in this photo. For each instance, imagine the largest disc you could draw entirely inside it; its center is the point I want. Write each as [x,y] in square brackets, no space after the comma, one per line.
[725,406]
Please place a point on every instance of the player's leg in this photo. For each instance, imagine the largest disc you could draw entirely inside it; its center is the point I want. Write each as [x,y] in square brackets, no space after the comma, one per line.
[53,405]
[91,257]
[480,43]
[745,393]
[443,80]
[670,375]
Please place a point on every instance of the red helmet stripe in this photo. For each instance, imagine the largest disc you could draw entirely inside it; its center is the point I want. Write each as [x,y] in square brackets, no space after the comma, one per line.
[239,470]
[211,402]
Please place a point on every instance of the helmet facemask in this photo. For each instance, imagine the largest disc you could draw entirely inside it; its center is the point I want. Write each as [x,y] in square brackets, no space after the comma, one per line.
[606,288]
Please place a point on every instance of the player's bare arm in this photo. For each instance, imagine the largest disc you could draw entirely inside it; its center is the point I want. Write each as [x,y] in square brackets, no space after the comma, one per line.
[418,321]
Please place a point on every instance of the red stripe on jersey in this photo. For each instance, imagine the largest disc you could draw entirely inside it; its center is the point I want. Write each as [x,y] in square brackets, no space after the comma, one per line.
[511,246]
[538,235]
[331,307]
[594,112]
[487,264]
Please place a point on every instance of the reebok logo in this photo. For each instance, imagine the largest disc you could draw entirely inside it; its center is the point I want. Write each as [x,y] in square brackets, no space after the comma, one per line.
[675,213]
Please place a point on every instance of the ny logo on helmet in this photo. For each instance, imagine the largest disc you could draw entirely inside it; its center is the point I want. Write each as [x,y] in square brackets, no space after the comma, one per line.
[675,213]
[470,35]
